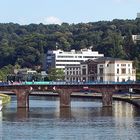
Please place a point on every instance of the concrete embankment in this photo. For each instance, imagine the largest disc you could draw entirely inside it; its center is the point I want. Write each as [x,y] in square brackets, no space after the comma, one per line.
[132,99]
[5,98]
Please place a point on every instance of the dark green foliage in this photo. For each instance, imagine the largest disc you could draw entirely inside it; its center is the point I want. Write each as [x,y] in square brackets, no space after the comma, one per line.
[26,45]
[4,71]
[56,74]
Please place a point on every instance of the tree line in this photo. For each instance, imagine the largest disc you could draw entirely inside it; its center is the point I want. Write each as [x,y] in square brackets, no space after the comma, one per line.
[25,45]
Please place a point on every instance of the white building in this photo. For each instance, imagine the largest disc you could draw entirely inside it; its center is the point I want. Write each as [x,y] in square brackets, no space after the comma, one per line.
[60,59]
[136,38]
[108,69]
[116,70]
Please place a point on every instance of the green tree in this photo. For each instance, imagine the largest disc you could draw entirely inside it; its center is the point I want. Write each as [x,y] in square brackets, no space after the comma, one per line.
[56,74]
[117,50]
[4,71]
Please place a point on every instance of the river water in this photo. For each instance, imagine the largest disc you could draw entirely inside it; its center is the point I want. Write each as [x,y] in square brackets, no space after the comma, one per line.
[85,120]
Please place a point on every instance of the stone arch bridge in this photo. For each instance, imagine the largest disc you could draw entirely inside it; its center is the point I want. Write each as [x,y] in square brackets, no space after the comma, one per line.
[65,90]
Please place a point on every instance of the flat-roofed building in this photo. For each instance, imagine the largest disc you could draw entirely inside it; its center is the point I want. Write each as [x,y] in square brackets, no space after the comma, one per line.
[135,38]
[61,59]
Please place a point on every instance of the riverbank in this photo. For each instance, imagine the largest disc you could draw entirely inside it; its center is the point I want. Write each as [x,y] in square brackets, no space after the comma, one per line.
[5,98]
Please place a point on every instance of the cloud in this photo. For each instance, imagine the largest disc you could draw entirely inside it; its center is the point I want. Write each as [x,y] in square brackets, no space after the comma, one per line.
[52,20]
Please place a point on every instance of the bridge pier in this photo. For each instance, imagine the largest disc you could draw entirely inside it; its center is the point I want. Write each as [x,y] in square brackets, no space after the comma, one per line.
[65,100]
[22,113]
[107,99]
[22,98]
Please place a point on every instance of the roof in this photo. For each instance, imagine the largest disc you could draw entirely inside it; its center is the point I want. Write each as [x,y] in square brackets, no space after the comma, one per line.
[104,59]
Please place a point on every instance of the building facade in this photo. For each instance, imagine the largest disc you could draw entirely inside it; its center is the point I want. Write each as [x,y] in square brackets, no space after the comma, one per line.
[135,38]
[61,59]
[115,70]
[26,74]
[89,70]
[73,73]
[105,70]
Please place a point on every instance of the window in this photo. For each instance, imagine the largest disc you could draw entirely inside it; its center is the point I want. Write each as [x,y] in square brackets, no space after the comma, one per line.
[117,79]
[84,71]
[88,56]
[79,56]
[60,56]
[83,66]
[76,72]
[101,70]
[101,79]
[117,71]
[123,80]
[123,65]
[123,71]
[129,71]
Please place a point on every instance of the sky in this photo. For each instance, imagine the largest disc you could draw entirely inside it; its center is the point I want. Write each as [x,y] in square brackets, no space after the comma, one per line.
[25,12]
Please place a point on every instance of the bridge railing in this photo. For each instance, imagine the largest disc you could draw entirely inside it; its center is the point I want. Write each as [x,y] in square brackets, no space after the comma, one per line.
[74,83]
[65,83]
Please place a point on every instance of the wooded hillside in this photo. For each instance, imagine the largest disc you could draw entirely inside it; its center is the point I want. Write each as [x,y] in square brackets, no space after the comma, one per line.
[26,45]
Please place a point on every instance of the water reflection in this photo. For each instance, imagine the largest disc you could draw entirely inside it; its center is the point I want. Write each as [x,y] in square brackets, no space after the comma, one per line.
[86,119]
[65,112]
[124,120]
[22,113]
[0,125]
[123,109]
[106,111]
[0,115]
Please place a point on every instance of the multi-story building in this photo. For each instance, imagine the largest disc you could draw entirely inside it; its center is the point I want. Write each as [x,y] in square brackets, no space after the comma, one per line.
[73,73]
[107,69]
[135,38]
[116,70]
[89,70]
[61,59]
